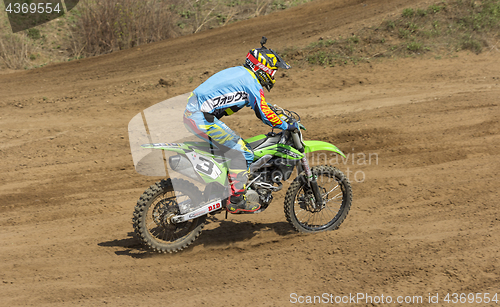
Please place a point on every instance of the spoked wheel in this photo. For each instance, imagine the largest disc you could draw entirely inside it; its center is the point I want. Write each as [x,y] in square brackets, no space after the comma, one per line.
[154,210]
[299,201]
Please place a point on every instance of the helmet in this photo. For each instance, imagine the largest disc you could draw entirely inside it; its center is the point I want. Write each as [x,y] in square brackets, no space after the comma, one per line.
[264,63]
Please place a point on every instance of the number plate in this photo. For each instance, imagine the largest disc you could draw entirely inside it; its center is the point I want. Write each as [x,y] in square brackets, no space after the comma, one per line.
[204,165]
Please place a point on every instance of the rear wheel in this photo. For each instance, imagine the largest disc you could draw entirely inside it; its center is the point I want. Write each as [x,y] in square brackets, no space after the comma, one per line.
[154,210]
[335,190]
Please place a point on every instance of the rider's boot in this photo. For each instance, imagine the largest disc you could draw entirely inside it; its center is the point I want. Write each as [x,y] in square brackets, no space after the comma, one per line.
[238,202]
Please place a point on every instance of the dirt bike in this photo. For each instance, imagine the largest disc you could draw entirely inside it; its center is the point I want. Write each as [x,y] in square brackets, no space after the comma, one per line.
[170,214]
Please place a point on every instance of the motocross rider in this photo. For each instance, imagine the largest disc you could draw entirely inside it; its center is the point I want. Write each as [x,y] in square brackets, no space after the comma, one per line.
[225,93]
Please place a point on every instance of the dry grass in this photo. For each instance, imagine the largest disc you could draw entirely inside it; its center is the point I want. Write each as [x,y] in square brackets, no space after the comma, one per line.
[110,25]
[16,50]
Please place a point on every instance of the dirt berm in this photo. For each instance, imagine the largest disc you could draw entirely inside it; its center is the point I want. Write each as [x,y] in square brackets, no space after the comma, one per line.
[425,215]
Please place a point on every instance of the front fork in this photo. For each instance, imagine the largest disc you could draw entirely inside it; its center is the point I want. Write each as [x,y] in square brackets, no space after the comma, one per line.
[310,181]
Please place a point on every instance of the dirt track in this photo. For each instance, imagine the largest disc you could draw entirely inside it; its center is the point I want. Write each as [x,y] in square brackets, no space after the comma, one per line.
[424,220]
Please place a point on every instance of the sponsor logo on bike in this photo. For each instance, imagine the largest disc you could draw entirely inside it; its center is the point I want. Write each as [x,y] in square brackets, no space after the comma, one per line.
[270,115]
[214,207]
[288,152]
[195,214]
[203,210]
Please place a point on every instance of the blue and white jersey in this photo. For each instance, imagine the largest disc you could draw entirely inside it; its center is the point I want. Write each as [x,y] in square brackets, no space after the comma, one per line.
[230,90]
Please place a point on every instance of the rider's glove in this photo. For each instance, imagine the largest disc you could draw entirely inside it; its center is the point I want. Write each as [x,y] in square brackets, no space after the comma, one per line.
[292,126]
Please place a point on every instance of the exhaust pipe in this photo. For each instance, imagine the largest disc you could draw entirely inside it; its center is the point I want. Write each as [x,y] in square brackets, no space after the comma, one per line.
[182,165]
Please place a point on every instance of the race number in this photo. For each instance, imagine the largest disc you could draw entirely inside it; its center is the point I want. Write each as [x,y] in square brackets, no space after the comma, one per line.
[204,165]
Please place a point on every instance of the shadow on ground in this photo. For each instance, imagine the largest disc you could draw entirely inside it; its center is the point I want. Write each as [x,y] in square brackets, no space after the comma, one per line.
[225,233]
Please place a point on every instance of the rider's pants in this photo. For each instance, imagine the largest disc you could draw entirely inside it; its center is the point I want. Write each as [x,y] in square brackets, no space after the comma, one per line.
[213,130]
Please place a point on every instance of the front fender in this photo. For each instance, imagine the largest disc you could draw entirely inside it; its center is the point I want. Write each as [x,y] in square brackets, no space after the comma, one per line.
[311,146]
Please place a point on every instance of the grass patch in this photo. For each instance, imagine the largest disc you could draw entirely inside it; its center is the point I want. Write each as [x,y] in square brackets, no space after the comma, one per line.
[443,28]
[421,12]
[407,13]
[414,46]
[33,33]
[404,33]
[469,43]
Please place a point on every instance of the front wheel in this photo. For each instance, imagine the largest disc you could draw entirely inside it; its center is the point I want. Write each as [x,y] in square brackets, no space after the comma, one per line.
[154,210]
[299,201]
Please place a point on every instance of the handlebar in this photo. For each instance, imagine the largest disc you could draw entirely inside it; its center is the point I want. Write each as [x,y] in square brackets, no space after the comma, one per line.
[287,115]
[290,117]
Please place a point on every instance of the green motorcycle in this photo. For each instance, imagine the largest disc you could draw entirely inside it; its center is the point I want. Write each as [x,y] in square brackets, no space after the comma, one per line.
[170,214]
